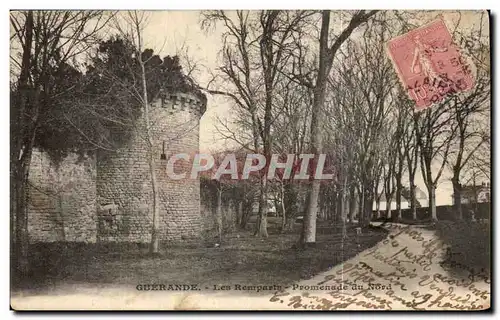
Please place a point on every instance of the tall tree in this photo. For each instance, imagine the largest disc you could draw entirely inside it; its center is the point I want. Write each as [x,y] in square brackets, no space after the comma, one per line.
[255,53]
[47,42]
[404,121]
[290,136]
[434,134]
[470,110]
[411,152]
[136,23]
[327,53]
[365,74]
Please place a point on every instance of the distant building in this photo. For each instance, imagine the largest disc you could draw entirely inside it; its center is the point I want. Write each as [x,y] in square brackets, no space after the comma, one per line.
[383,203]
[421,197]
[475,194]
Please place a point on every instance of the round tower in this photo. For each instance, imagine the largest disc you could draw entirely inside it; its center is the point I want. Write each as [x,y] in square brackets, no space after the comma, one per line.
[124,188]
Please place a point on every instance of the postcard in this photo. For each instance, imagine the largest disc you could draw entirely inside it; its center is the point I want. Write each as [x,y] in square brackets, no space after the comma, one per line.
[250,160]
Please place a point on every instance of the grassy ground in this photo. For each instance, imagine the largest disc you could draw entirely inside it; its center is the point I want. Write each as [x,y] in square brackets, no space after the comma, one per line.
[469,244]
[242,259]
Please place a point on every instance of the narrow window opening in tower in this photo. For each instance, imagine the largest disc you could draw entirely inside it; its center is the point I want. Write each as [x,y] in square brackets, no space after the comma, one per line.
[163,155]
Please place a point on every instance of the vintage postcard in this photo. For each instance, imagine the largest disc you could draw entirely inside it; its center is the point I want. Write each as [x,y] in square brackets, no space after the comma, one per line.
[250,160]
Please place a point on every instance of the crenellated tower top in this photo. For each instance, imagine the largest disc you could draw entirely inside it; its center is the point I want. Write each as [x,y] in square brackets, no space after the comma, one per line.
[195,103]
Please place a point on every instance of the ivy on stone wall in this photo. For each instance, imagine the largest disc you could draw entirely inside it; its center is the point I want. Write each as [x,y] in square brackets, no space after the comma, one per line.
[94,106]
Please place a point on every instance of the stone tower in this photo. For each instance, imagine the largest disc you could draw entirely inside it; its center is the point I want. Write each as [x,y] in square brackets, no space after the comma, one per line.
[123,182]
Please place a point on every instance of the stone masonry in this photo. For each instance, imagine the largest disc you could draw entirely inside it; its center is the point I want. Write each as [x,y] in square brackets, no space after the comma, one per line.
[62,199]
[108,198]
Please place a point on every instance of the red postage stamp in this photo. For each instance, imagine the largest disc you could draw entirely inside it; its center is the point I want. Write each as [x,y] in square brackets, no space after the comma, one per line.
[429,65]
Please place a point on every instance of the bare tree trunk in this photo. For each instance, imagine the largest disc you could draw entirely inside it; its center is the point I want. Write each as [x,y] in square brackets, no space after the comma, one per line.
[352,203]
[326,56]
[361,216]
[344,219]
[232,215]
[316,138]
[333,206]
[432,201]
[21,196]
[261,227]
[154,244]
[246,213]
[339,199]
[457,198]
[399,187]
[388,209]
[389,191]
[21,156]
[283,209]
[12,220]
[22,179]
[246,208]
[344,203]
[291,205]
[412,168]
[377,207]
[239,215]
[400,145]
[22,238]
[218,212]
[368,205]
[413,200]
[311,215]
[377,194]
[342,208]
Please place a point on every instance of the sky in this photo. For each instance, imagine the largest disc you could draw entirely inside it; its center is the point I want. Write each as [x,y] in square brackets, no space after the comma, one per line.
[169,32]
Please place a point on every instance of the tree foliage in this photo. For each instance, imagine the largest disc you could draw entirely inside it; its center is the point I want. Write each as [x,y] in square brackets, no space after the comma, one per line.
[97,109]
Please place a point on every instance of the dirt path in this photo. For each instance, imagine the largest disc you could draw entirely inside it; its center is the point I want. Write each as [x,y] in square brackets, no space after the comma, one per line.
[404,271]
